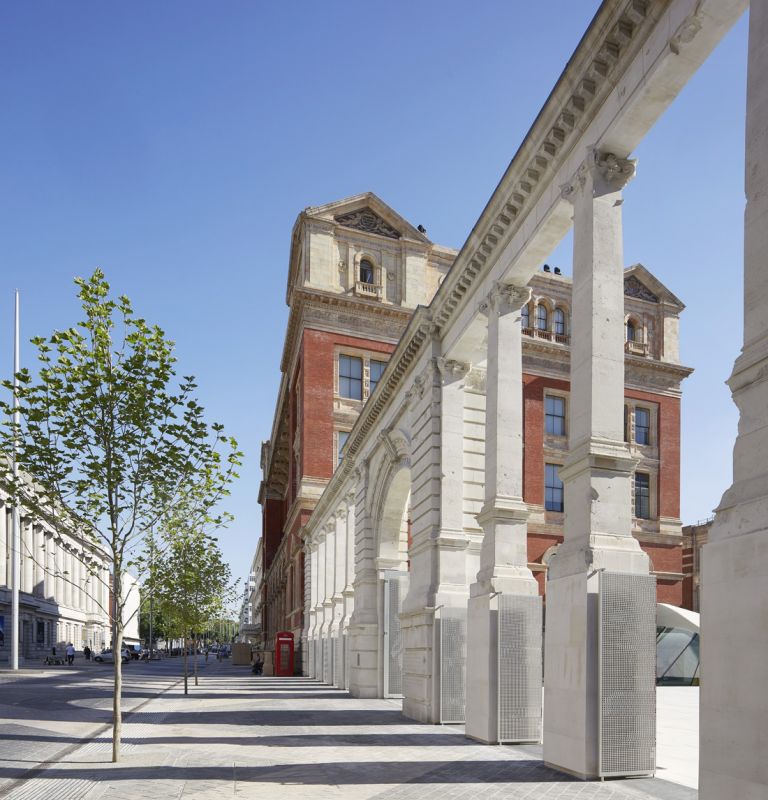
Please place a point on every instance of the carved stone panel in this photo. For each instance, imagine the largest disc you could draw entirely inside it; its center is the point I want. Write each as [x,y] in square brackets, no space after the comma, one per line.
[633,288]
[366,220]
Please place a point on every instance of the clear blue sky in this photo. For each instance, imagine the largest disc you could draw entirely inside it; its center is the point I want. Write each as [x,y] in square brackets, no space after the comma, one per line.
[174,143]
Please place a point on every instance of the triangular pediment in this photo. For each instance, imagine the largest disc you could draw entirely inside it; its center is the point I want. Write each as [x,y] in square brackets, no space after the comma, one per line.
[368,213]
[642,284]
[635,288]
[365,219]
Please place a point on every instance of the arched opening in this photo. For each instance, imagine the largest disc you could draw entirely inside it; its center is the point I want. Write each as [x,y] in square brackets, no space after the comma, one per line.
[392,530]
[366,271]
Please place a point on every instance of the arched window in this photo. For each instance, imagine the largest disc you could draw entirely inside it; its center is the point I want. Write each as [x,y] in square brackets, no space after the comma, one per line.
[631,331]
[525,316]
[366,271]
[542,317]
[560,322]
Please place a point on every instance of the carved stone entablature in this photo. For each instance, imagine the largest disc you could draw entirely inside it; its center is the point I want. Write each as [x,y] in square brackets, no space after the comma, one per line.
[366,220]
[609,173]
[634,288]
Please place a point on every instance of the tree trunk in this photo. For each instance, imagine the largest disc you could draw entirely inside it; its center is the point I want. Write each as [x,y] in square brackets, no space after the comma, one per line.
[117,717]
[186,673]
[196,683]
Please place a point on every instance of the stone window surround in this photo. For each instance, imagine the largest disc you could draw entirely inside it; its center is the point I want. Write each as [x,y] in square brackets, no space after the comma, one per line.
[552,392]
[336,432]
[653,434]
[551,305]
[367,356]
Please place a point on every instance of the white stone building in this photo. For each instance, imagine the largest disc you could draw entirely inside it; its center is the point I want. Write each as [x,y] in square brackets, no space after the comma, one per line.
[250,613]
[470,628]
[64,591]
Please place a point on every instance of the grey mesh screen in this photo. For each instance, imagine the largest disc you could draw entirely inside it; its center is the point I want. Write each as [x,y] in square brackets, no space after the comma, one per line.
[338,677]
[395,589]
[452,649]
[323,659]
[330,651]
[627,674]
[520,674]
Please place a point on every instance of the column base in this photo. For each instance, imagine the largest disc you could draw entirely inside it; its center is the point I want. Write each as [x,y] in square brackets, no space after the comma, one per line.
[734,708]
[520,719]
[364,660]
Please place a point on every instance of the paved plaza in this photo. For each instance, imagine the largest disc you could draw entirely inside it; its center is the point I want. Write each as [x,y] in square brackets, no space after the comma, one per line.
[241,736]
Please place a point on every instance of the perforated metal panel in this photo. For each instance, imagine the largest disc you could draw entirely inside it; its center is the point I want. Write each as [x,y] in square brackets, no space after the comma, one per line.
[520,675]
[323,659]
[311,658]
[330,649]
[338,672]
[451,632]
[627,674]
[395,590]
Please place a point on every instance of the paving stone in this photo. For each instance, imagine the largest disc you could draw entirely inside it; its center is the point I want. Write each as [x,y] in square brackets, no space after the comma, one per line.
[245,737]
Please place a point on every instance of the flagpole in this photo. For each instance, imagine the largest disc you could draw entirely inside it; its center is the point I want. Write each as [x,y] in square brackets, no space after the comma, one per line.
[16,532]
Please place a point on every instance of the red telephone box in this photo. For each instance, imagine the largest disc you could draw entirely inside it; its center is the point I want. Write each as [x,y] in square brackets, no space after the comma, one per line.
[284,653]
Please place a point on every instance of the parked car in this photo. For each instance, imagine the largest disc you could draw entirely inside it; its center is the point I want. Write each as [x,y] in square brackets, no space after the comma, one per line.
[106,656]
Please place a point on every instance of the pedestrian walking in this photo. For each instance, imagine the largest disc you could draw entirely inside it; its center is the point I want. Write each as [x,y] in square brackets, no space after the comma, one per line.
[87,653]
[70,654]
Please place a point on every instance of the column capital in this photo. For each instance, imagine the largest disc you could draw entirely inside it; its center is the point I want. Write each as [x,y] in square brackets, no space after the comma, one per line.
[505,298]
[608,172]
[450,369]
[341,513]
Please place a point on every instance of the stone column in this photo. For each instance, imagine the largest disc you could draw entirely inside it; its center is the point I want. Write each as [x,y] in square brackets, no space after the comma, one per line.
[439,544]
[5,578]
[348,592]
[337,599]
[364,624]
[330,539]
[27,550]
[504,516]
[310,577]
[322,545]
[734,584]
[597,475]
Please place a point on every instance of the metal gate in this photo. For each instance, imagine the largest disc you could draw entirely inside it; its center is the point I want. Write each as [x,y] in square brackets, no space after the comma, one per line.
[451,648]
[395,590]
[519,668]
[626,674]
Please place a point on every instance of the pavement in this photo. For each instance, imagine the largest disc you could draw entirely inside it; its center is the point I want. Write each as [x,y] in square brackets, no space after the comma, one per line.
[237,735]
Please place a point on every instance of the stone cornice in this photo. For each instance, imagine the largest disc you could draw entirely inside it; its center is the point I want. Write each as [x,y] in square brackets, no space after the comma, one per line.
[304,299]
[615,35]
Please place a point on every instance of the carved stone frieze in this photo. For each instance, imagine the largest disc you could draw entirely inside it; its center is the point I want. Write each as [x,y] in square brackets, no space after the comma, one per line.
[634,288]
[369,221]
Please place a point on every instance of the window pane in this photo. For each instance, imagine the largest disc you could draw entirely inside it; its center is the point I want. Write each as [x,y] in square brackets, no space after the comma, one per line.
[351,377]
[541,318]
[554,415]
[560,321]
[642,495]
[366,271]
[630,331]
[553,488]
[343,436]
[642,426]
[377,368]
[525,316]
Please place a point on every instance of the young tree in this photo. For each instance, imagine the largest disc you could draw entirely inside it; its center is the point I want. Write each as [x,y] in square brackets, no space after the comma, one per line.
[110,440]
[188,579]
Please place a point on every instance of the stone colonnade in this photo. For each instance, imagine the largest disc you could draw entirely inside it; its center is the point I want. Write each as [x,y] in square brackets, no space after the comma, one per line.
[450,391]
